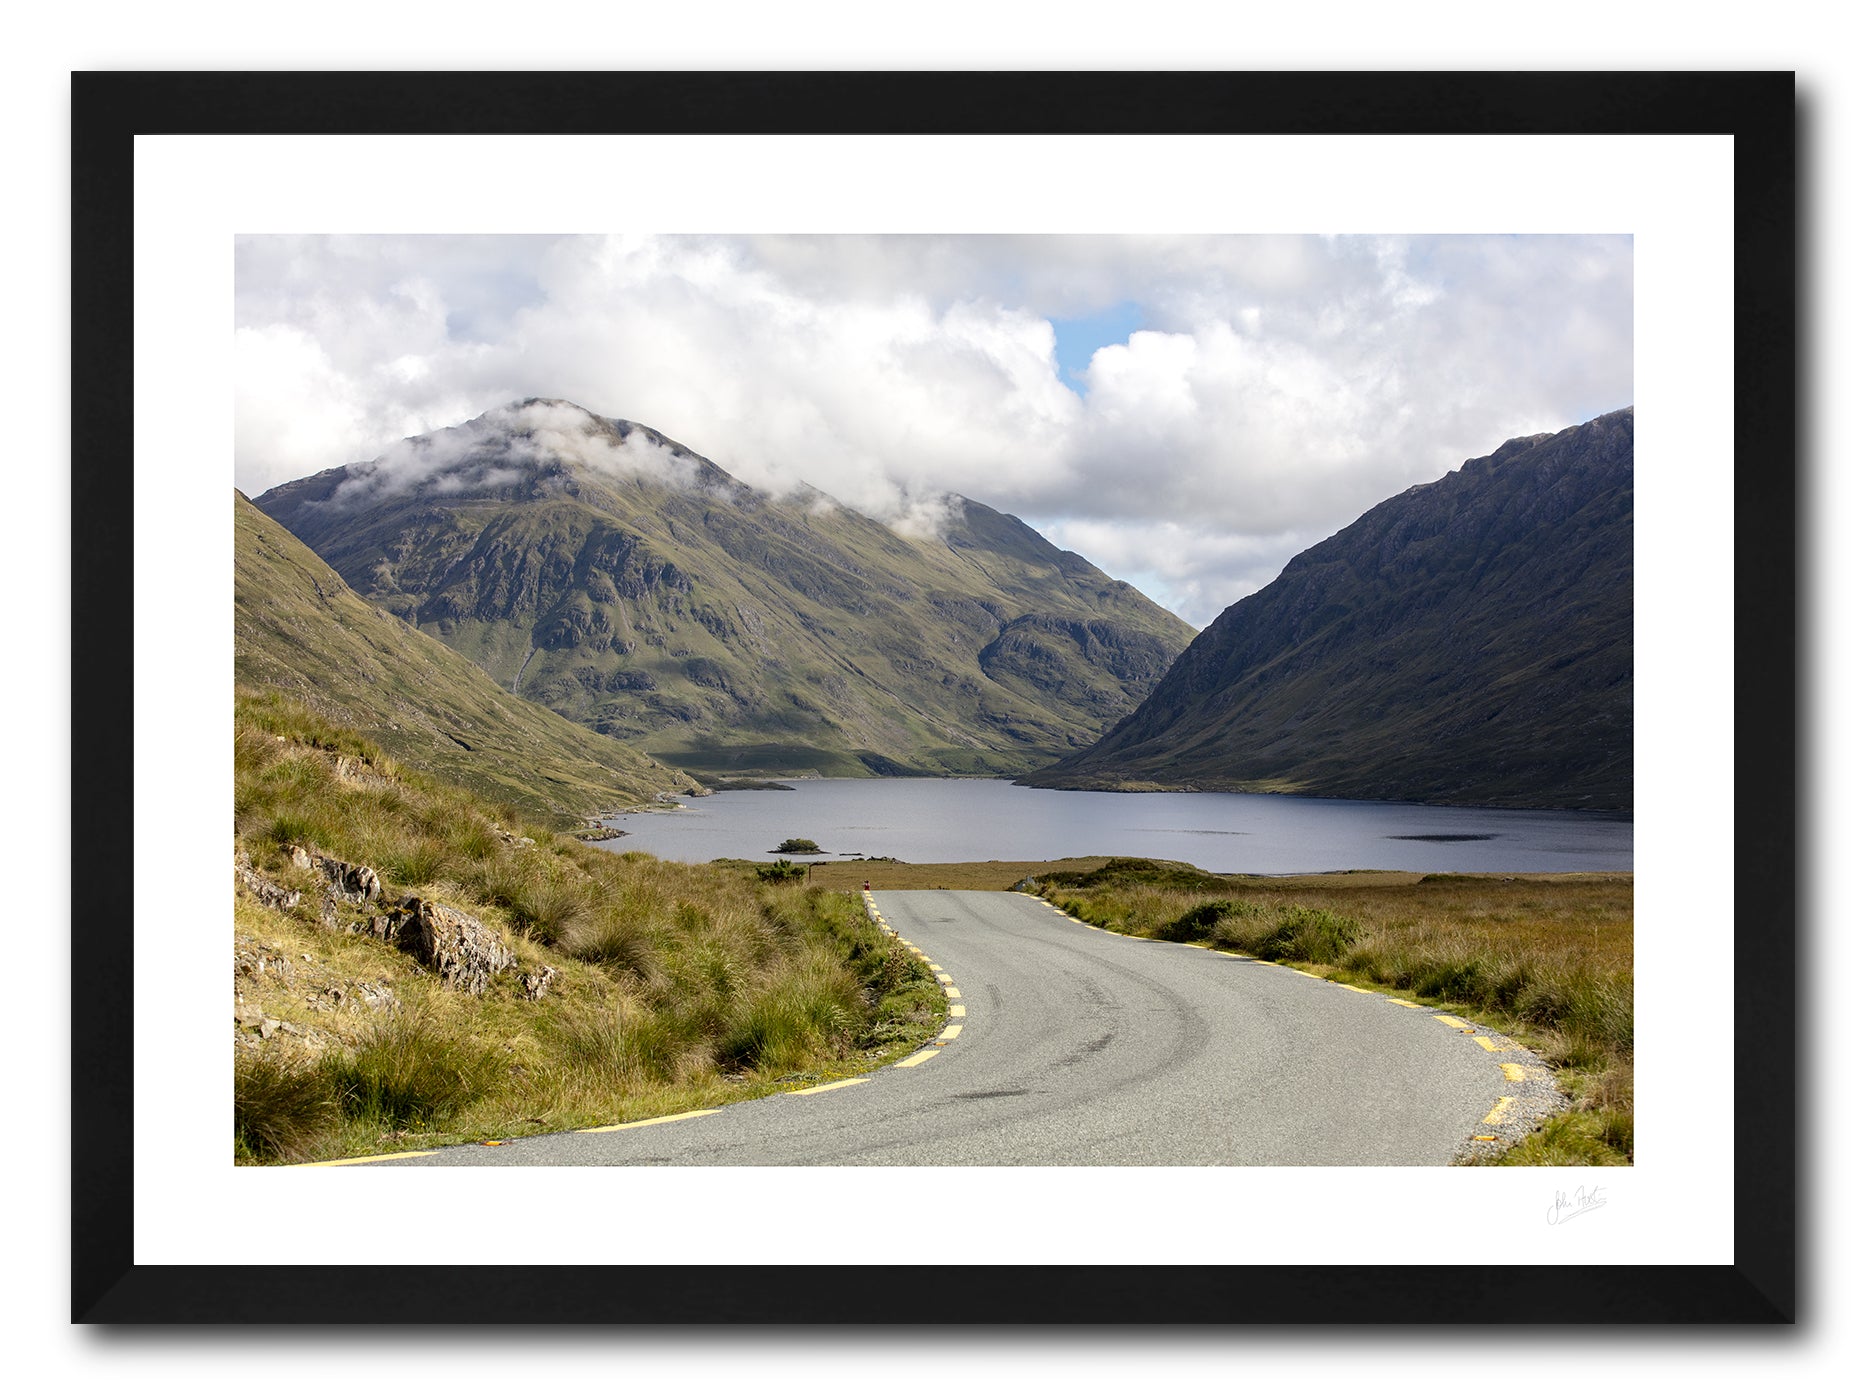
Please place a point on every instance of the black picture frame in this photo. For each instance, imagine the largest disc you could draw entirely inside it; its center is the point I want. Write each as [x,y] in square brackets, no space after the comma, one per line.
[1757,109]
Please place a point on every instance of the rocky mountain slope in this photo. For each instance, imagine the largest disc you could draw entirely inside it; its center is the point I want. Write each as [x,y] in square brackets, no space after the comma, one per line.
[1469,641]
[621,580]
[299,629]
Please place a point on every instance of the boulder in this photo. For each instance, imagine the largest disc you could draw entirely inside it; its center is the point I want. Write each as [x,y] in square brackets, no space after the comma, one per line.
[349,881]
[461,949]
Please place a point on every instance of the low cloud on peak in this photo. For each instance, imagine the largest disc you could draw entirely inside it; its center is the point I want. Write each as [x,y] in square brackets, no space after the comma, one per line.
[507,445]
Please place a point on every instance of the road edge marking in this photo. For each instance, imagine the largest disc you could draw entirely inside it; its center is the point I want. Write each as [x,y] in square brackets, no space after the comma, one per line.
[827,1088]
[650,1122]
[955,1007]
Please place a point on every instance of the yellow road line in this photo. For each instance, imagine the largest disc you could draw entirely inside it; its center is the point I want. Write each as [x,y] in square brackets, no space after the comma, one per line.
[915,1059]
[949,1033]
[1453,1022]
[649,1122]
[1351,988]
[935,966]
[958,1009]
[827,1088]
[1502,1105]
[1401,1002]
[1511,1072]
[1487,1044]
[950,990]
[357,1161]
[942,976]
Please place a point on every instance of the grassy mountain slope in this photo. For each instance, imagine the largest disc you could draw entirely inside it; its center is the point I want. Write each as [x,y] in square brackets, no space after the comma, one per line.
[630,987]
[300,630]
[634,587]
[1469,641]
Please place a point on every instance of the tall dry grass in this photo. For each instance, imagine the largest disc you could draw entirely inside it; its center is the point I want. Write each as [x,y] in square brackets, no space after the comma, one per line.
[674,983]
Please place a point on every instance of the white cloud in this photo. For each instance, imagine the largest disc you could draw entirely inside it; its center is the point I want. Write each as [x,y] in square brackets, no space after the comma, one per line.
[503,445]
[297,413]
[1194,568]
[1281,386]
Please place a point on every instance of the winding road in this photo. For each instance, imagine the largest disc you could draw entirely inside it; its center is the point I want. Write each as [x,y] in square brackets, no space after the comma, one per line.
[1071,1046]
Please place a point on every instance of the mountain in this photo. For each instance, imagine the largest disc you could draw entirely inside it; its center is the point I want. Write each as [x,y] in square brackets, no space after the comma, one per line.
[629,584]
[299,629]
[1468,641]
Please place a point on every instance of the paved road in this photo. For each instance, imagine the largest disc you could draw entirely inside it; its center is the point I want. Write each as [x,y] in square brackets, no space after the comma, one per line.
[1079,1047]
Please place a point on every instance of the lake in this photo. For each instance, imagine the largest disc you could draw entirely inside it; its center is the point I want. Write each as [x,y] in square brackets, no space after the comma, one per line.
[969,820]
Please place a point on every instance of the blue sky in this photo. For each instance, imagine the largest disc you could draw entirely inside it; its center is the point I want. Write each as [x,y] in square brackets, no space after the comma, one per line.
[1079,337]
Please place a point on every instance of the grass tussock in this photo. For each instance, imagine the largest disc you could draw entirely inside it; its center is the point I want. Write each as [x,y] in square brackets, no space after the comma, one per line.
[280,1110]
[675,986]
[408,1072]
[1546,959]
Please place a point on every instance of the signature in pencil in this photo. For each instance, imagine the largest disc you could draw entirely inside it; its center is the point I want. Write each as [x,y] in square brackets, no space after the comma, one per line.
[1581,1202]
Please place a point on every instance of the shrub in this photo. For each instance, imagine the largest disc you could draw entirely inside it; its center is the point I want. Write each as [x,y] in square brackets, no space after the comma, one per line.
[545,900]
[789,1025]
[803,845]
[1313,935]
[407,1073]
[781,870]
[280,1111]
[619,1050]
[615,939]
[1201,921]
[419,861]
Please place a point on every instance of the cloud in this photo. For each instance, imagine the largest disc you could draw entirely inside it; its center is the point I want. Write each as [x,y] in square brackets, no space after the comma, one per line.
[1195,569]
[1278,388]
[508,445]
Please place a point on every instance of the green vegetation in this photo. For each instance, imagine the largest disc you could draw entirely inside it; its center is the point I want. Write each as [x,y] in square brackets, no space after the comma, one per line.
[1466,642]
[782,870]
[1545,959]
[672,988]
[888,874]
[734,633]
[299,630]
[804,846]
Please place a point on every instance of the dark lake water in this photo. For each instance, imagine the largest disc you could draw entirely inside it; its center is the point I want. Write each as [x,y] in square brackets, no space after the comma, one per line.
[966,820]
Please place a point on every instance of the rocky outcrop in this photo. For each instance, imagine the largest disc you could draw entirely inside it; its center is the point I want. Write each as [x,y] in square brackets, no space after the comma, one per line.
[464,952]
[260,887]
[344,883]
[461,949]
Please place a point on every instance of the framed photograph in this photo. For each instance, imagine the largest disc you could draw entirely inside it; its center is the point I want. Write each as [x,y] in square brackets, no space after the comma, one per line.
[1678,187]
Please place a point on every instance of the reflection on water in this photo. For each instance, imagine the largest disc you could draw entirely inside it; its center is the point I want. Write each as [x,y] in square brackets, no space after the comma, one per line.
[963,820]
